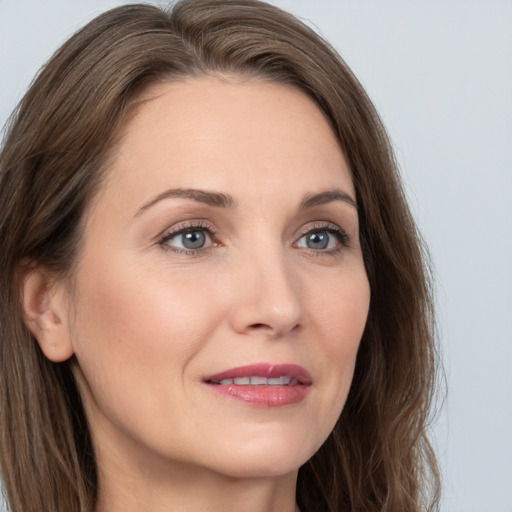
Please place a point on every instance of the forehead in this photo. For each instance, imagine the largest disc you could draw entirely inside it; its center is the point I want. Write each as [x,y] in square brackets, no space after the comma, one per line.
[226,133]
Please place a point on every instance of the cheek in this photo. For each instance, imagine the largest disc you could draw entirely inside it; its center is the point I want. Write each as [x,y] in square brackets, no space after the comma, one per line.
[139,326]
[341,314]
[342,309]
[139,310]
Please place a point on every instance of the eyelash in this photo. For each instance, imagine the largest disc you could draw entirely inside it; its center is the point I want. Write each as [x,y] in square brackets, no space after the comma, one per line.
[327,227]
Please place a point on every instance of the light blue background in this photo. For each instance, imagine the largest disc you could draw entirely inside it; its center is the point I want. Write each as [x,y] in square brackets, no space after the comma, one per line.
[440,73]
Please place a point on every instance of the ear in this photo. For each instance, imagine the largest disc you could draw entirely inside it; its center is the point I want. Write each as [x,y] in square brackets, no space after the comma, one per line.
[46,305]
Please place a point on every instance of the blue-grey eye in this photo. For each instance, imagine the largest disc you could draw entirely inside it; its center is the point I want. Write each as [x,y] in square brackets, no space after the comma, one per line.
[191,239]
[194,239]
[318,240]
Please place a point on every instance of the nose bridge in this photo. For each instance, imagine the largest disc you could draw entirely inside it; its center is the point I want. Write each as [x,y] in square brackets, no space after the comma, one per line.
[269,297]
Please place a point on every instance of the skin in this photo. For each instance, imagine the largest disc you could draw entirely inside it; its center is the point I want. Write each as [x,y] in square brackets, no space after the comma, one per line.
[148,321]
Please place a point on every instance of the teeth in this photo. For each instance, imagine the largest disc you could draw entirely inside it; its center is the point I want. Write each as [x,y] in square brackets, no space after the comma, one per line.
[284,380]
[280,381]
[259,381]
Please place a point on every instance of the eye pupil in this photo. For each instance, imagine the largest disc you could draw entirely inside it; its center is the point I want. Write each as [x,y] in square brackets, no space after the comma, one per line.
[194,239]
[317,240]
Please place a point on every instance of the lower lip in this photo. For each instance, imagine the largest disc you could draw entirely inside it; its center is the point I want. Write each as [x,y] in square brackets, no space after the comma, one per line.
[263,396]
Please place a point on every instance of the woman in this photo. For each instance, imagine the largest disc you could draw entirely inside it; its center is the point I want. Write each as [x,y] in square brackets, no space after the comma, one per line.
[214,293]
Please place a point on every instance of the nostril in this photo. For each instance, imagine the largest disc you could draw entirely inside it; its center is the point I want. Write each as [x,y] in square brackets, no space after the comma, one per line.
[277,331]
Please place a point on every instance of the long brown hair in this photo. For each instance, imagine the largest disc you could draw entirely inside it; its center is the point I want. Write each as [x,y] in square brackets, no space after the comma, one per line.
[378,457]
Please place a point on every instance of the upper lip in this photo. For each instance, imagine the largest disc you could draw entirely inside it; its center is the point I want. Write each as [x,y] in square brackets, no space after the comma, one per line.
[267,370]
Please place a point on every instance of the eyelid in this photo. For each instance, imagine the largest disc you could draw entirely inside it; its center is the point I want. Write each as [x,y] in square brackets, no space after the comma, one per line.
[318,225]
[187,225]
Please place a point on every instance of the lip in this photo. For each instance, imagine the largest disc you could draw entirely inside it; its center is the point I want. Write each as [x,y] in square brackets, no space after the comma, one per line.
[268,395]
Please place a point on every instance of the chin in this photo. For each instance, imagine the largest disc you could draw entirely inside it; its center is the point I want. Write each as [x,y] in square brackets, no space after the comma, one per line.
[269,457]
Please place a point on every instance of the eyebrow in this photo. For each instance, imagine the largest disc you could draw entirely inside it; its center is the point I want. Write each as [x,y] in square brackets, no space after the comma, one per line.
[215,199]
[220,200]
[311,200]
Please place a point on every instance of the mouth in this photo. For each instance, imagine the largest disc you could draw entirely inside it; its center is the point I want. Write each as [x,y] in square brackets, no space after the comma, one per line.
[262,384]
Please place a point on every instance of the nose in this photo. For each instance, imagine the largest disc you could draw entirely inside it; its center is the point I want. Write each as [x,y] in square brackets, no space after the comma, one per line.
[267,300]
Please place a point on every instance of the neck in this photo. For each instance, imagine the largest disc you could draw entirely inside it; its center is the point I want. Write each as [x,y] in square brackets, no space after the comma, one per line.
[161,486]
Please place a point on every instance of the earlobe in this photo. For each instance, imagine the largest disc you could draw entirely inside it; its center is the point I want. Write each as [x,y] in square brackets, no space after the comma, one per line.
[45,310]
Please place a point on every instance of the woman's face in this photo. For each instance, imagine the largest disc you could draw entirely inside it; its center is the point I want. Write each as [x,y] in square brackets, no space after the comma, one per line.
[223,246]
